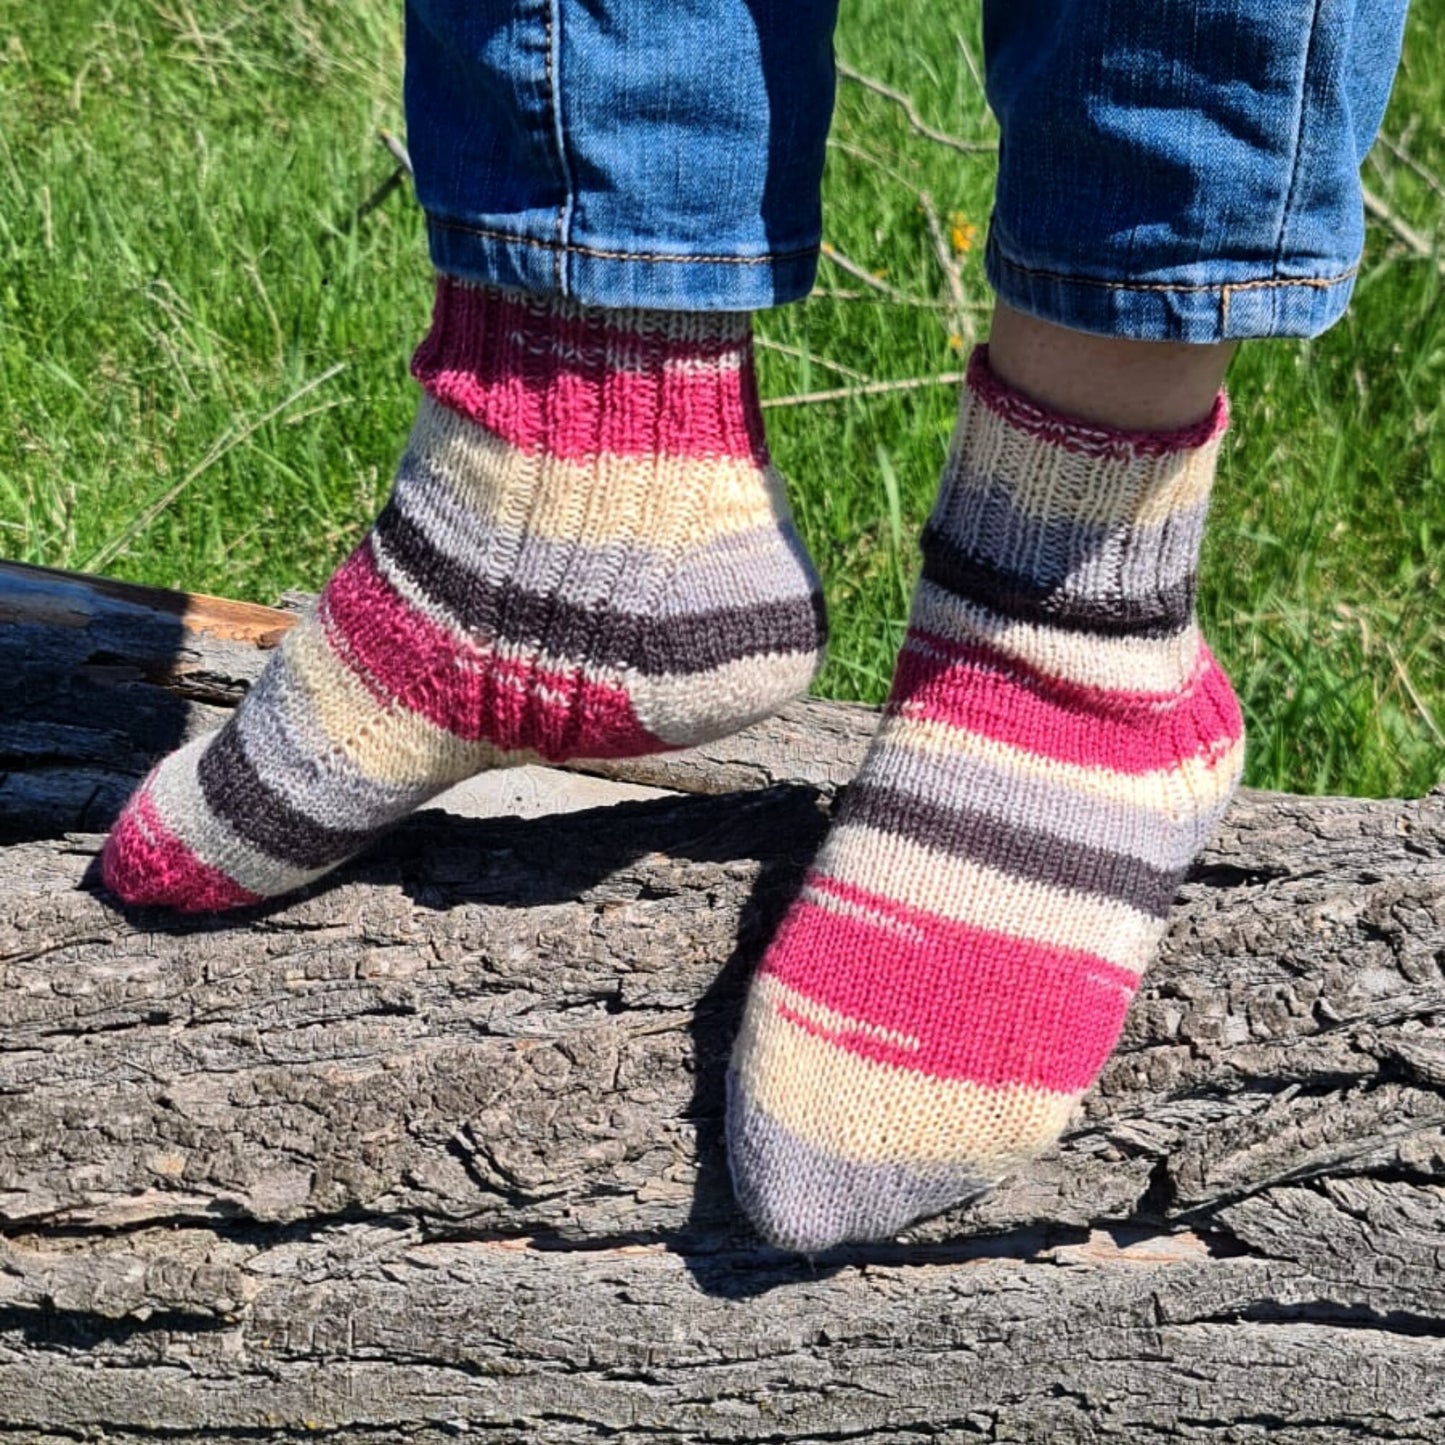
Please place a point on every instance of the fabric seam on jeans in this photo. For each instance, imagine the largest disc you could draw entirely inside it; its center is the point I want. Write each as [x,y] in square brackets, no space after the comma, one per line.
[572,249]
[1299,130]
[1318,283]
[554,104]
[559,141]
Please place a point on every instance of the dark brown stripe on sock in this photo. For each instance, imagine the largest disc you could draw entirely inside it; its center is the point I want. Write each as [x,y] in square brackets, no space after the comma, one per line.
[236,793]
[665,646]
[1023,599]
[1031,853]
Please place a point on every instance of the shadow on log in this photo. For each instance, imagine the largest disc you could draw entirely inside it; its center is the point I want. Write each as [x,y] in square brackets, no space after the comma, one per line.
[434,1150]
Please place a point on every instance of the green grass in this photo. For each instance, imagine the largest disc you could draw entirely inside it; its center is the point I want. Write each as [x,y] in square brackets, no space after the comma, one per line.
[182,274]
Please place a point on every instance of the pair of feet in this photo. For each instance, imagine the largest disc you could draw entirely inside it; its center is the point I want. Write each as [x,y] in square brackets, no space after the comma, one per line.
[587,554]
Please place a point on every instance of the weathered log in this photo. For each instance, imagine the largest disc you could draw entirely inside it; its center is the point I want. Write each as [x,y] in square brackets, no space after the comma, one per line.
[435,1148]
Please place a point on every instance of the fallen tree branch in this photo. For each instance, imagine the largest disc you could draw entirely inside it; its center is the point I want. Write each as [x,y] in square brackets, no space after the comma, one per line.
[960,322]
[874,388]
[436,1146]
[227,442]
[1422,246]
[844,263]
[399,152]
[799,354]
[1397,149]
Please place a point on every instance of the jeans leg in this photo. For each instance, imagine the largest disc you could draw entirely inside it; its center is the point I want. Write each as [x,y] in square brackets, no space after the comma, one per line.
[1186,170]
[620,152]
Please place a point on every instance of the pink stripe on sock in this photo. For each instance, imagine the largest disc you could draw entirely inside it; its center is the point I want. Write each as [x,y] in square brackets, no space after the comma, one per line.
[589,719]
[575,388]
[469,691]
[982,1006]
[983,656]
[145,863]
[969,694]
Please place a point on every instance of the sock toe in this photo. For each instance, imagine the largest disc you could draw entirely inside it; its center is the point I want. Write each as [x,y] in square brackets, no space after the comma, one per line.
[145,864]
[805,1199]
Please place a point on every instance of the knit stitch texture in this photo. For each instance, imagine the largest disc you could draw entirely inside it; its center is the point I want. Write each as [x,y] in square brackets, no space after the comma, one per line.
[587,554]
[1058,743]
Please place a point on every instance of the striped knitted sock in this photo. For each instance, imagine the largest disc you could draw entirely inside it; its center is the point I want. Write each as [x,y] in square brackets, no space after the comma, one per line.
[1057,746]
[586,554]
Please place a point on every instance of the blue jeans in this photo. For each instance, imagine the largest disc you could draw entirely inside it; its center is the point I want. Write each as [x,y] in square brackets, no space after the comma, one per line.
[1177,170]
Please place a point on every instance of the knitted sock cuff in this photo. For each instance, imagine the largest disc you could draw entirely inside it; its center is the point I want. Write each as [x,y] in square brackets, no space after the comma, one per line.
[1046,519]
[578,381]
[1086,437]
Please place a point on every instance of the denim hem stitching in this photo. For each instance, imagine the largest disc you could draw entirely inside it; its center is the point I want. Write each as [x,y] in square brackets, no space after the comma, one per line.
[572,249]
[1317,283]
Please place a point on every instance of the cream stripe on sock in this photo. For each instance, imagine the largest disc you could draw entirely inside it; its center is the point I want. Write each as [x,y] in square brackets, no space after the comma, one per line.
[1195,785]
[958,891]
[605,499]
[1094,660]
[894,1114]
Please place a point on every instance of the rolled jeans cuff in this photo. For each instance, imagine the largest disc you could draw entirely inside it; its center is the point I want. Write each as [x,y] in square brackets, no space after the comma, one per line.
[1203,312]
[620,277]
[1184,170]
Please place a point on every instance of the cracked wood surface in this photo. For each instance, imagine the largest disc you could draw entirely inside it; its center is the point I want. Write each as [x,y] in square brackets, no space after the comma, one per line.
[434,1149]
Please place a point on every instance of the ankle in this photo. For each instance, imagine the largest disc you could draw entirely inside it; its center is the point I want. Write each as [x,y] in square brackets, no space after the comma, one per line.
[1133,385]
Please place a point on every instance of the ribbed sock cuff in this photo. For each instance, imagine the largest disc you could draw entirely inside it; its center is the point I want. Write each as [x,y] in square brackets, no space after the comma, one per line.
[1048,519]
[624,382]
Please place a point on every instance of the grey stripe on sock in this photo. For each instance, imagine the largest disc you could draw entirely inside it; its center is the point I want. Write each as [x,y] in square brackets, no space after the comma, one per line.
[1015,798]
[766,563]
[1026,600]
[305,766]
[677,645]
[1084,559]
[236,792]
[805,1199]
[1027,852]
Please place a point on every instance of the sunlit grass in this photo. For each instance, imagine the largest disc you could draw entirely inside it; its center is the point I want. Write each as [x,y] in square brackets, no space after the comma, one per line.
[203,352]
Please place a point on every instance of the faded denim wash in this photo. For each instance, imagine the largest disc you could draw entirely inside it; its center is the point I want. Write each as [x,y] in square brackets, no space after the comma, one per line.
[1175,170]
[1184,170]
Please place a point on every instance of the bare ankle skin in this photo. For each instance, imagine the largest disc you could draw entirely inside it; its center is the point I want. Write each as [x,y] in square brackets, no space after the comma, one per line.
[1136,385]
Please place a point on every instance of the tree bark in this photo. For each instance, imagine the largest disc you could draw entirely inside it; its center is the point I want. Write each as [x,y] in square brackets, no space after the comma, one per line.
[434,1149]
